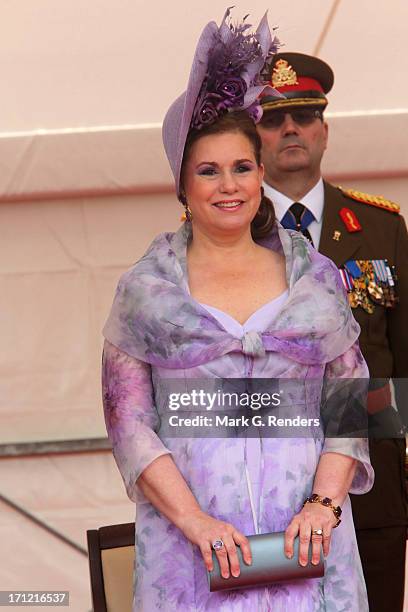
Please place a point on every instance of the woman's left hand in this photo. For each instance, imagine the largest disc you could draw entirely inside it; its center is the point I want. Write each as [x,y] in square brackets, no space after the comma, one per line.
[311,517]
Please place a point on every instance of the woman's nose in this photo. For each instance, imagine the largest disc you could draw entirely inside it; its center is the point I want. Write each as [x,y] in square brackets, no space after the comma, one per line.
[228,182]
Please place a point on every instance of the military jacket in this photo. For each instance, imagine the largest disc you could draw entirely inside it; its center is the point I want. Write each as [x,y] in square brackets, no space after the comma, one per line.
[384,332]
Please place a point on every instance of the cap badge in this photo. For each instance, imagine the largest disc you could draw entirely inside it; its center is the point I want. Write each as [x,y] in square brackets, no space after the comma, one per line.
[283,74]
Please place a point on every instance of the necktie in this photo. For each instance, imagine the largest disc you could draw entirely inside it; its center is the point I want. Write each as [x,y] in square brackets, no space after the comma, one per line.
[298,217]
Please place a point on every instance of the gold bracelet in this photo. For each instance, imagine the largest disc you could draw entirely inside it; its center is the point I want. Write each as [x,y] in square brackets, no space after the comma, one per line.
[325,501]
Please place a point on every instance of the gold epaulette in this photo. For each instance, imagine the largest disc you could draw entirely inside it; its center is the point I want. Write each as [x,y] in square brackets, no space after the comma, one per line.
[374,200]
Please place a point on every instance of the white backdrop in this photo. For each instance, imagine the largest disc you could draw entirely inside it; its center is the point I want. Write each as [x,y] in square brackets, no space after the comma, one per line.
[75,63]
[84,187]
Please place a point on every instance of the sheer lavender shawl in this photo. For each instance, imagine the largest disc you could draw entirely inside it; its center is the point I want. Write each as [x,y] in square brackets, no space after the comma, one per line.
[155,319]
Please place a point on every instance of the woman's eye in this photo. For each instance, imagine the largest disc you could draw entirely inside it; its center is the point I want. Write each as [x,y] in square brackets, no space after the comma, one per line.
[207,171]
[243,168]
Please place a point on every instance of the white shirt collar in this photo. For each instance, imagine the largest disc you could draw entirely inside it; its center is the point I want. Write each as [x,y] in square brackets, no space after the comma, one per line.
[313,200]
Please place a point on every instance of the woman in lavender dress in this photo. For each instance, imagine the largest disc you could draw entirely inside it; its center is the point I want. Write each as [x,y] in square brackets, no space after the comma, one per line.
[230,295]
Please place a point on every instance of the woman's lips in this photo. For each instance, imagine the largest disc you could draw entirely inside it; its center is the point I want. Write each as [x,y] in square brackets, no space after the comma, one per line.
[228,206]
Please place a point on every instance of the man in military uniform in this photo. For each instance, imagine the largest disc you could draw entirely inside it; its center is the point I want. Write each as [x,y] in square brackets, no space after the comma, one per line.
[367,238]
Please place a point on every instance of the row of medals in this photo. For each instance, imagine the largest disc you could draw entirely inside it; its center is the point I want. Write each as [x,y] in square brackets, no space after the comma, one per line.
[367,290]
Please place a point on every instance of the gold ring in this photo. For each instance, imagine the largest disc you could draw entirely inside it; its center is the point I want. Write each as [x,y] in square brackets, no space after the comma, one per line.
[318,532]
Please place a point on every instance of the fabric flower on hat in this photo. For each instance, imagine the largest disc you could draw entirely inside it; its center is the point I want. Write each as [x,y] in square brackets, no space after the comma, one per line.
[232,81]
[206,110]
[232,88]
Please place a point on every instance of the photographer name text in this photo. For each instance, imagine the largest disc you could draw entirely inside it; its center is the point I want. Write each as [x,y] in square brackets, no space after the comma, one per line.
[257,420]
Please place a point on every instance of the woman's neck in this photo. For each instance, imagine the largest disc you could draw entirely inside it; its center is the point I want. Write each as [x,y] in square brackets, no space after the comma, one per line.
[229,249]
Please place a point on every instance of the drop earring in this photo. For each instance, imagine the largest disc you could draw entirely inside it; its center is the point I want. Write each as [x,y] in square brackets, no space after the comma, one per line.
[187,215]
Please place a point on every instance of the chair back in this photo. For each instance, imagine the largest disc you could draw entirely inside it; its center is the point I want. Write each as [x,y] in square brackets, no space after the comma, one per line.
[111,551]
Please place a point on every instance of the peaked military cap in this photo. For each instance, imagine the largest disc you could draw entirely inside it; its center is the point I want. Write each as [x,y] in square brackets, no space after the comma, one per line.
[303,80]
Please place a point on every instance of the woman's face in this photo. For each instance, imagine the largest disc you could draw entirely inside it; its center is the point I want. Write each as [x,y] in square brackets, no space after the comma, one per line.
[222,183]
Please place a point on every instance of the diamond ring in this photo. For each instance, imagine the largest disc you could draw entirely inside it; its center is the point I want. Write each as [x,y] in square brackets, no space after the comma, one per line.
[217,545]
[318,532]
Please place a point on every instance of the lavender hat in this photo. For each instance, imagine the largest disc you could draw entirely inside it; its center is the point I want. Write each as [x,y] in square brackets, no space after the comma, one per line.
[225,76]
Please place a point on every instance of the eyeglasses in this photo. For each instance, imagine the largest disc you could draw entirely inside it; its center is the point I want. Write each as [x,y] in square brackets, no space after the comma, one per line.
[303,116]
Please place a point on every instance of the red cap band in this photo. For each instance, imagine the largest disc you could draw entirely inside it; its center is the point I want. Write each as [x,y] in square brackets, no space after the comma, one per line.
[304,84]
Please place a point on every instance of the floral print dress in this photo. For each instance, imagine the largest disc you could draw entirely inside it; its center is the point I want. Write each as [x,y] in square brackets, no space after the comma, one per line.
[157,334]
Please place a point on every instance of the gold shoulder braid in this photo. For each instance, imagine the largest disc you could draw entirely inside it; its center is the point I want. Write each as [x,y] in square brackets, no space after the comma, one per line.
[373,200]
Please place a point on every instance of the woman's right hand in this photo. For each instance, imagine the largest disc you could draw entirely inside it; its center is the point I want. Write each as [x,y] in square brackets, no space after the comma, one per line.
[202,530]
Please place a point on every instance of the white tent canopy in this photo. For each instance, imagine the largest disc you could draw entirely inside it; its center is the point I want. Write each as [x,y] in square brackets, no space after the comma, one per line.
[84,186]
[88,86]
[79,64]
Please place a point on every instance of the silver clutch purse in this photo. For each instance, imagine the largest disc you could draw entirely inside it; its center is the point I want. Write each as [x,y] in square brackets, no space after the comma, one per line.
[269,565]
